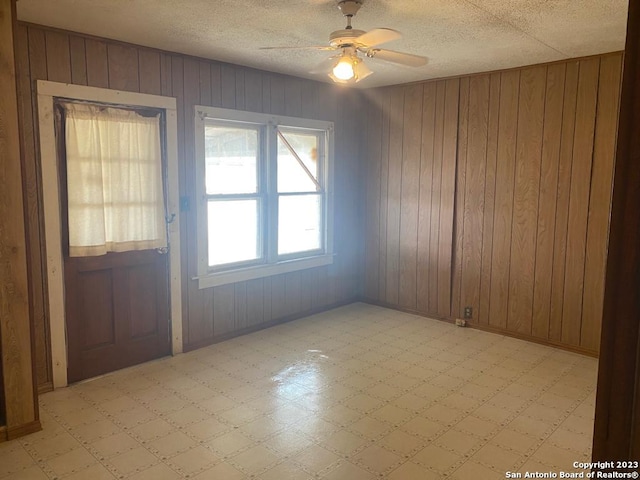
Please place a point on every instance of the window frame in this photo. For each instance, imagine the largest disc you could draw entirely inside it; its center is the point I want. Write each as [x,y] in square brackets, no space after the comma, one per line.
[271,262]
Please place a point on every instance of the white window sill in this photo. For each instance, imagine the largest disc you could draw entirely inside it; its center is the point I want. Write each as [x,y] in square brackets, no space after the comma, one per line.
[260,271]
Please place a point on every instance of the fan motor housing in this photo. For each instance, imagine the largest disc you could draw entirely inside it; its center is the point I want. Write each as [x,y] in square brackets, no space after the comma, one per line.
[340,38]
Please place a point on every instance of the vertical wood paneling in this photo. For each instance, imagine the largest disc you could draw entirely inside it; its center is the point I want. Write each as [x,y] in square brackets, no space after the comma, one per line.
[436,197]
[149,62]
[473,209]
[562,202]
[372,197]
[525,198]
[458,251]
[482,314]
[394,192]
[78,60]
[384,193]
[31,180]
[20,406]
[600,200]
[58,57]
[123,67]
[547,200]
[97,63]
[424,194]
[503,216]
[447,196]
[411,142]
[579,199]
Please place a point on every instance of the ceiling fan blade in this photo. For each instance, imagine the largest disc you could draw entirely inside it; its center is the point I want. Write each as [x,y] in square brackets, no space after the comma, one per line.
[398,57]
[378,36]
[324,66]
[312,47]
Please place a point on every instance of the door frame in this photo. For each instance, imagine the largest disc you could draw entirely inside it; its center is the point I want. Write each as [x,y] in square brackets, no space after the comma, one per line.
[47,92]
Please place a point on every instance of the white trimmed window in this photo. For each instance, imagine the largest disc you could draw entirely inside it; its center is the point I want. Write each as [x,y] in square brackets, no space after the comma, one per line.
[263,193]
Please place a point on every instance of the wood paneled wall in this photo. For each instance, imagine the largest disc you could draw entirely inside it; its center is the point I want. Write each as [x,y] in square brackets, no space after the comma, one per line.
[533,152]
[410,166]
[207,314]
[19,413]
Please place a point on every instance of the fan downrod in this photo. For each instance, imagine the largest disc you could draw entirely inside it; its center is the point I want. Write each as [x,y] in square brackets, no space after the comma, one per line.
[349,8]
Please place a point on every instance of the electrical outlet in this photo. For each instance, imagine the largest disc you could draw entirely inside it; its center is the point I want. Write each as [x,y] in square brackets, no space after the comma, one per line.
[460,322]
[468,312]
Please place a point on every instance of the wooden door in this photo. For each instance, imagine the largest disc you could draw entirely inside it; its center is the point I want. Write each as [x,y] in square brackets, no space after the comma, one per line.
[116,305]
[117,311]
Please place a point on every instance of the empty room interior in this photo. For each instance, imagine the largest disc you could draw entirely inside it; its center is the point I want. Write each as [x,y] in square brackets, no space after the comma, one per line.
[306,239]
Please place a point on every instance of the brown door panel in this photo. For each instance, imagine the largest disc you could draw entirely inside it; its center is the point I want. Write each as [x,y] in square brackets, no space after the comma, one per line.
[117,311]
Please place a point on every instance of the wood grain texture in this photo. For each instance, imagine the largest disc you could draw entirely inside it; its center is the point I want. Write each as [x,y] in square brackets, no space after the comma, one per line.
[447,196]
[394,193]
[475,177]
[424,194]
[503,213]
[599,201]
[551,139]
[482,314]
[579,200]
[562,200]
[20,396]
[410,196]
[525,198]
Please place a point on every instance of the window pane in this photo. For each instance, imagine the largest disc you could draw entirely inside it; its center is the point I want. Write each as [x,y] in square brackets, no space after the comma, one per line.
[231,159]
[299,223]
[292,177]
[233,231]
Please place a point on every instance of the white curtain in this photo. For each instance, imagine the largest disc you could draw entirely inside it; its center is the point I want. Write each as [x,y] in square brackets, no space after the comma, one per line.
[114,180]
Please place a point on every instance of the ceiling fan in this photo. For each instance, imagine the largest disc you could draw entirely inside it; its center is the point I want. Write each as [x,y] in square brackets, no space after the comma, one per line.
[347,66]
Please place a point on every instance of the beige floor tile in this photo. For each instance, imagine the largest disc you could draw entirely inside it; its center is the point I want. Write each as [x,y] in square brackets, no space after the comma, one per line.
[13,459]
[287,442]
[369,428]
[152,430]
[285,471]
[229,443]
[472,470]
[392,395]
[436,458]
[32,473]
[157,472]
[423,427]
[377,460]
[314,459]
[71,462]
[254,461]
[94,472]
[457,442]
[516,441]
[113,445]
[556,457]
[347,470]
[193,461]
[392,415]
[498,459]
[170,445]
[133,461]
[221,471]
[52,447]
[402,443]
[344,443]
[411,471]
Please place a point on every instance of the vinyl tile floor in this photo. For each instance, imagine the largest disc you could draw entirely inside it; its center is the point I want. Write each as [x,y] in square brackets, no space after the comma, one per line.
[355,393]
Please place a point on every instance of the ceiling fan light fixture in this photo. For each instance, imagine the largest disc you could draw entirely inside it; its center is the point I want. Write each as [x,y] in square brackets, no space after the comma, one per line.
[349,69]
[344,69]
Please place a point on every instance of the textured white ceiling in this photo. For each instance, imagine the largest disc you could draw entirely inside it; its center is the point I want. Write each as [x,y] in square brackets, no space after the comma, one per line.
[458,36]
